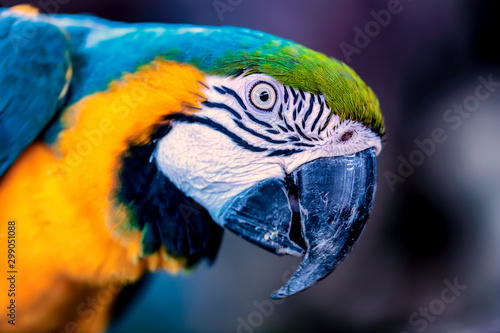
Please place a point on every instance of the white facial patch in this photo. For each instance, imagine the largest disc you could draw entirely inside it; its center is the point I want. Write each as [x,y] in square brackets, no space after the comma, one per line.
[208,167]
[300,118]
[249,129]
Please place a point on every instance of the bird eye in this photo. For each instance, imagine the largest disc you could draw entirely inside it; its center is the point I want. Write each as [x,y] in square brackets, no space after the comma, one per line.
[263,96]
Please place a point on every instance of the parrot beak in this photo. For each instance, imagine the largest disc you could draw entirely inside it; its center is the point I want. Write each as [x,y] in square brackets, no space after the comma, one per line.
[335,197]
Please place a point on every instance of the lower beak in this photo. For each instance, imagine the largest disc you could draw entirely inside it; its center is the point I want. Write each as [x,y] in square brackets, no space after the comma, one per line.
[335,197]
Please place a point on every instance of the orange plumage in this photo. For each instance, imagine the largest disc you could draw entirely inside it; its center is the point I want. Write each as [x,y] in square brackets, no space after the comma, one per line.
[70,235]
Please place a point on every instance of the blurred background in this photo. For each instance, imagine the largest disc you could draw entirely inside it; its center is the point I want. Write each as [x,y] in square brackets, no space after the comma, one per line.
[429,258]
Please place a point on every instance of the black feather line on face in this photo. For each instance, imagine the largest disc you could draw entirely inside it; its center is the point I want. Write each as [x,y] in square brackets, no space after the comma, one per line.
[290,128]
[158,208]
[218,127]
[280,112]
[257,121]
[223,107]
[284,152]
[302,95]
[257,134]
[236,96]
[283,129]
[285,97]
[273,131]
[308,112]
[299,108]
[320,113]
[219,90]
[295,96]
[302,133]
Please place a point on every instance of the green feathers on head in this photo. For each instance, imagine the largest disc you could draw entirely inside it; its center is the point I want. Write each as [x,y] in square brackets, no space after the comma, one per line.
[301,68]
[222,51]
[226,51]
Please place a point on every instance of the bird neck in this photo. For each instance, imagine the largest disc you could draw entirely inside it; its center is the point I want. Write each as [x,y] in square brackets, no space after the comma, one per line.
[100,128]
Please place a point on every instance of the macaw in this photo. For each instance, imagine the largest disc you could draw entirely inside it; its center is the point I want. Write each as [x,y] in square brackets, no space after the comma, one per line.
[128,148]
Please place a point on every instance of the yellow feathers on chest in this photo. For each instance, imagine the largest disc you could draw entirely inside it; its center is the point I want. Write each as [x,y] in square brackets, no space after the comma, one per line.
[60,196]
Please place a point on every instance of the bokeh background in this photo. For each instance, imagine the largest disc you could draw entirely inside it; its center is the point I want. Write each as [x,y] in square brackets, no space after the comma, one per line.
[440,221]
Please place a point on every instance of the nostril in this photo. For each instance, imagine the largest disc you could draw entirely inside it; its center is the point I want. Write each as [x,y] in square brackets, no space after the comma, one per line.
[295,232]
[347,136]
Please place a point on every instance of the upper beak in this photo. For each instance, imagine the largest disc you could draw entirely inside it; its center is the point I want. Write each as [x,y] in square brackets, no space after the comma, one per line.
[335,197]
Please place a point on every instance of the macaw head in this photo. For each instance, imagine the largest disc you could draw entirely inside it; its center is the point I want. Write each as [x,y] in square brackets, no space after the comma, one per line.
[280,148]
